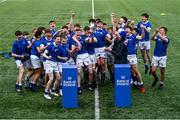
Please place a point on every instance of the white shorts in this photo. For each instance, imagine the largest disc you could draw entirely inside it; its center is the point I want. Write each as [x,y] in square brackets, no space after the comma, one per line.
[19,63]
[100,52]
[92,59]
[27,64]
[51,67]
[44,65]
[132,59]
[82,60]
[159,61]
[60,64]
[60,67]
[35,62]
[145,45]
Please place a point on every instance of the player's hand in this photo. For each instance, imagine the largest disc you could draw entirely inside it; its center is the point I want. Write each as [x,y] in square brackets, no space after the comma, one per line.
[69,51]
[132,22]
[60,30]
[156,30]
[47,46]
[73,50]
[49,57]
[116,33]
[79,44]
[77,49]
[73,15]
[33,40]
[112,14]
[108,49]
[22,56]
[26,57]
[115,20]
[142,26]
[65,58]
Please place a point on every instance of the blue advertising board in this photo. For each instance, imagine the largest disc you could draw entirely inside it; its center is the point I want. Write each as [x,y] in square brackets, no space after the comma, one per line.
[122,87]
[69,86]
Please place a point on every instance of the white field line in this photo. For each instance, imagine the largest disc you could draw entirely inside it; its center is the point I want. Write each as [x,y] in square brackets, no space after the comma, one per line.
[14,0]
[96,92]
[97,108]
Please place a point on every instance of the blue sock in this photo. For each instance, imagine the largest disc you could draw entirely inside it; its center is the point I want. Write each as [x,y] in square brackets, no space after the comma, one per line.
[134,78]
[20,87]
[17,86]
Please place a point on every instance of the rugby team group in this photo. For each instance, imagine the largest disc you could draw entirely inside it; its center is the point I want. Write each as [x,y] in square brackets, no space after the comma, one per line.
[94,47]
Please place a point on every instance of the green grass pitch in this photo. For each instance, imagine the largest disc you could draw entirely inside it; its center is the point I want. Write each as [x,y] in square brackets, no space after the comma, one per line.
[28,14]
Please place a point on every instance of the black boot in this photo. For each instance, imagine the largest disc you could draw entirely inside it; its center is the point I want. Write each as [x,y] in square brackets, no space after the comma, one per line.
[146,69]
[102,77]
[94,84]
[155,81]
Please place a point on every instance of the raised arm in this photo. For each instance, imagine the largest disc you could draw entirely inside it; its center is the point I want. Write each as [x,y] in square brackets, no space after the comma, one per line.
[45,54]
[148,29]
[72,20]
[164,38]
[154,34]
